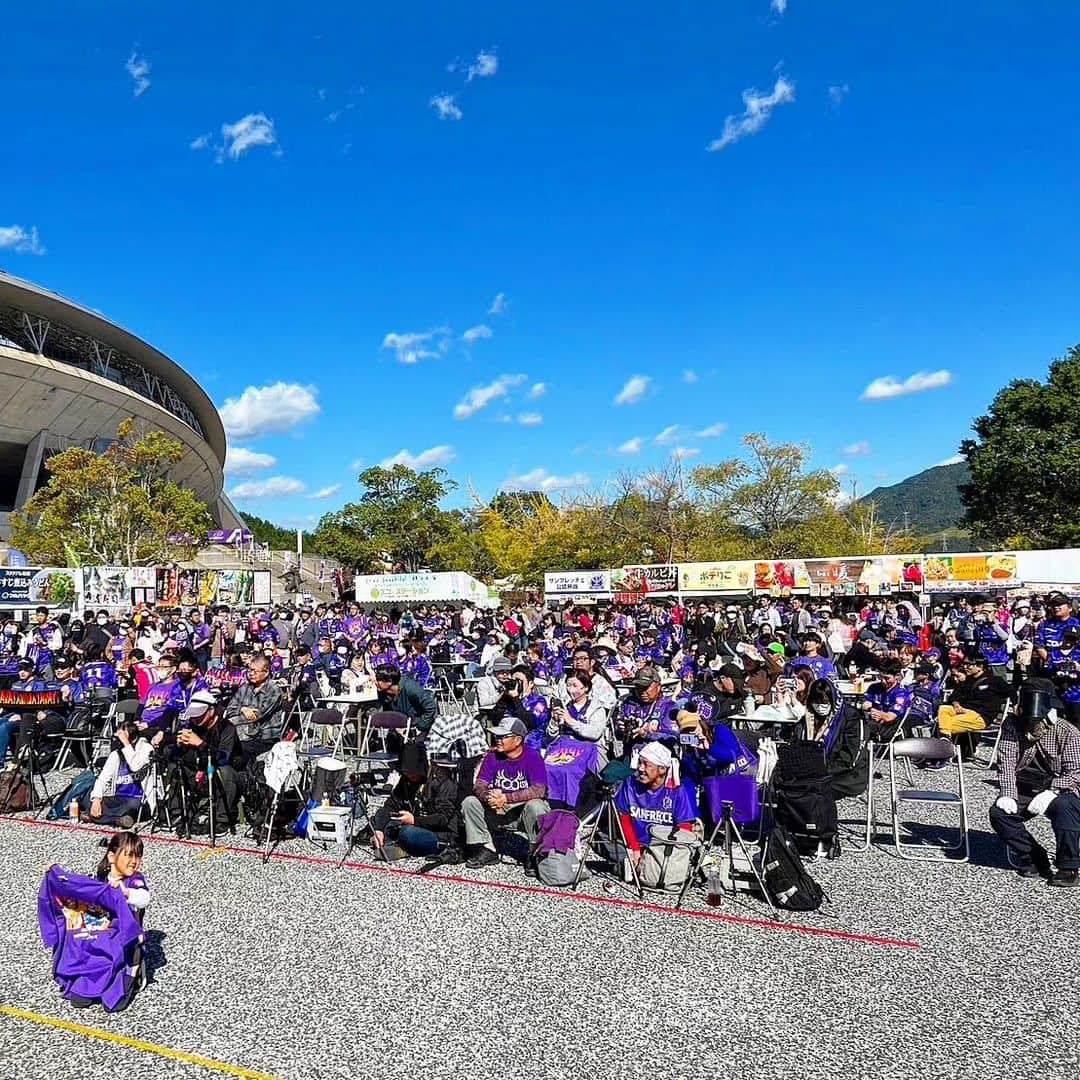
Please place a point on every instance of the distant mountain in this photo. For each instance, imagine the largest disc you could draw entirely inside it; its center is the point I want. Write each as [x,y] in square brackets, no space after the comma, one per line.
[930,499]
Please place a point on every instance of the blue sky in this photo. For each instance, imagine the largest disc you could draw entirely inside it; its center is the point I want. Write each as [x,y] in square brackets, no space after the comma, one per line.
[894,198]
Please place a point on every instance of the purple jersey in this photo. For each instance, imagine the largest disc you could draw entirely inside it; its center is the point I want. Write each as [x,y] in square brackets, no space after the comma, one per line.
[669,806]
[897,700]
[821,666]
[658,718]
[418,667]
[509,777]
[162,698]
[98,674]
[568,761]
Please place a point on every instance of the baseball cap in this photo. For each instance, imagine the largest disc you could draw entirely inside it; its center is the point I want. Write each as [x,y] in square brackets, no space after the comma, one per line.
[201,701]
[509,726]
[645,678]
[656,753]
[500,664]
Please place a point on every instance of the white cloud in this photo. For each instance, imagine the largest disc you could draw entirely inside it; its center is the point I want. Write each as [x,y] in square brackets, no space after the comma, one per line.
[778,6]
[542,480]
[484,66]
[480,397]
[21,241]
[631,446]
[538,391]
[435,455]
[633,391]
[714,431]
[499,305]
[138,67]
[838,92]
[840,470]
[888,386]
[857,449]
[201,143]
[357,465]
[260,410]
[681,453]
[273,487]
[759,107]
[689,377]
[668,435]
[530,419]
[413,347]
[445,107]
[255,129]
[476,333]
[240,461]
[326,492]
[954,460]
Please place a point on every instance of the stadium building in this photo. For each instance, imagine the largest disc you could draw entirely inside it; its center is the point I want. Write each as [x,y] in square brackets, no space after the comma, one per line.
[70,377]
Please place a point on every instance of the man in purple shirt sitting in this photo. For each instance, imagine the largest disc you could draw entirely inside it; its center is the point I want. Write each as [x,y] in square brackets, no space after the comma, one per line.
[509,791]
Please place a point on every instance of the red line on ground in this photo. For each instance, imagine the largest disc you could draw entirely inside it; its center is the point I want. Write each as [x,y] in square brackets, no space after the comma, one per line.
[537,890]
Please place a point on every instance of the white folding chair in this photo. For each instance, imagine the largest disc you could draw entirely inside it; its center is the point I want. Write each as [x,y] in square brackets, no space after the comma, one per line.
[993,735]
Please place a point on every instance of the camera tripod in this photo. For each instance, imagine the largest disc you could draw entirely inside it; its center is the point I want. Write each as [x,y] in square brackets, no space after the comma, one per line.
[178,789]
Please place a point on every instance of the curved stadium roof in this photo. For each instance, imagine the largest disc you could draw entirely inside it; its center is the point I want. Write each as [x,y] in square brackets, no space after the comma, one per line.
[43,322]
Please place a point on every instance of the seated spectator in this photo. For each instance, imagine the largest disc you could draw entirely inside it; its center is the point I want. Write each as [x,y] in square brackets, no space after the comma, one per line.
[117,794]
[977,699]
[207,737]
[355,678]
[510,789]
[421,815]
[811,656]
[1039,773]
[603,690]
[760,672]
[653,809]
[9,724]
[888,701]
[645,713]
[398,693]
[255,710]
[491,687]
[581,716]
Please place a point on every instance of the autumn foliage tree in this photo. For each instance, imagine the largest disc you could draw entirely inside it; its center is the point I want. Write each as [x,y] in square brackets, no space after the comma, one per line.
[116,508]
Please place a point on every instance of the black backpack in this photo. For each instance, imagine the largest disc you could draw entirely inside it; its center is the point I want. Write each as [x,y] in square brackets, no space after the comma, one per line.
[805,802]
[792,888]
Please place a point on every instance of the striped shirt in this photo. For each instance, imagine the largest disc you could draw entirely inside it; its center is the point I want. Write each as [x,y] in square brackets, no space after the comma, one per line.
[1060,747]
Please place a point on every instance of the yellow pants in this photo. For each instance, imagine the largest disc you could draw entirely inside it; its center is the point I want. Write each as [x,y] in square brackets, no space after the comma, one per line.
[955,720]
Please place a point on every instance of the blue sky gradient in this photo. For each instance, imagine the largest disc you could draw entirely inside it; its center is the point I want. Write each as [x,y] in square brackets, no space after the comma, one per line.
[911,210]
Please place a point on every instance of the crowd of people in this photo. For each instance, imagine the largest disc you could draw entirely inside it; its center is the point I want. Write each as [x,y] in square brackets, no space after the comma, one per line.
[523,719]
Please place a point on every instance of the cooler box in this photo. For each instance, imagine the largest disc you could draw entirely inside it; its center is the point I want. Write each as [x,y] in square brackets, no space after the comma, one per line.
[329,825]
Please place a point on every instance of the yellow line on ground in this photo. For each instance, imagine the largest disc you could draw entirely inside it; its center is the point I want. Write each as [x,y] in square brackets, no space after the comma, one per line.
[135,1044]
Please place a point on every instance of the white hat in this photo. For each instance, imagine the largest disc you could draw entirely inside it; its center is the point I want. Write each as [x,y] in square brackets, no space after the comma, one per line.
[201,701]
[656,753]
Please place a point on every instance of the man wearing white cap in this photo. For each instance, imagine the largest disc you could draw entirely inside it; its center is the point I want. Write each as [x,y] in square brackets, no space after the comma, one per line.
[657,817]
[205,738]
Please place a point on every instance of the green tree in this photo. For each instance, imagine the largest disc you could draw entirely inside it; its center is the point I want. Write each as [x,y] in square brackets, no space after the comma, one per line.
[396,524]
[116,508]
[1025,462]
[769,494]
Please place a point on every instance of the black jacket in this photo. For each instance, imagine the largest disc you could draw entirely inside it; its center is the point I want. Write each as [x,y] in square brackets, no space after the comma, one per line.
[433,803]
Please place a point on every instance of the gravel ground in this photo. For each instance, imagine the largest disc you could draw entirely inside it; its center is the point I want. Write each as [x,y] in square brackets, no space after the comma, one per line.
[305,971]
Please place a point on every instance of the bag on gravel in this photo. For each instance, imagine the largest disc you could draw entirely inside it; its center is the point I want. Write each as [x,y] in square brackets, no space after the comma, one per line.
[14,792]
[786,877]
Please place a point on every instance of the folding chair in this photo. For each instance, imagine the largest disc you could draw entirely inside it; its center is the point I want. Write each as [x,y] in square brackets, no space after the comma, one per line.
[281,773]
[992,733]
[903,750]
[77,732]
[878,752]
[374,766]
[326,720]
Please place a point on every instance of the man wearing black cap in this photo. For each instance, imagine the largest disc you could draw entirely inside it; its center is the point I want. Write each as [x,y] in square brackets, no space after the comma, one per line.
[646,714]
[510,790]
[421,816]
[1039,773]
[9,725]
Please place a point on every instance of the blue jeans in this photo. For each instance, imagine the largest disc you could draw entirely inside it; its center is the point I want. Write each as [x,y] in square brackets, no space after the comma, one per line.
[8,725]
[412,839]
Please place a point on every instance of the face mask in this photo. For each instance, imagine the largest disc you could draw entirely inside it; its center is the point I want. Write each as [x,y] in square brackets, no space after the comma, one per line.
[343,652]
[102,621]
[821,709]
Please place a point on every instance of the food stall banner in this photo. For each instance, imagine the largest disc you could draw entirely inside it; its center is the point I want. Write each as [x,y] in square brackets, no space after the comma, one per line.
[720,577]
[971,570]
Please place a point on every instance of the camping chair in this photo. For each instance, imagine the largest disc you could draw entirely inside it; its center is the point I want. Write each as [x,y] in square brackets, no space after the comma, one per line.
[373,767]
[991,734]
[734,800]
[903,750]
